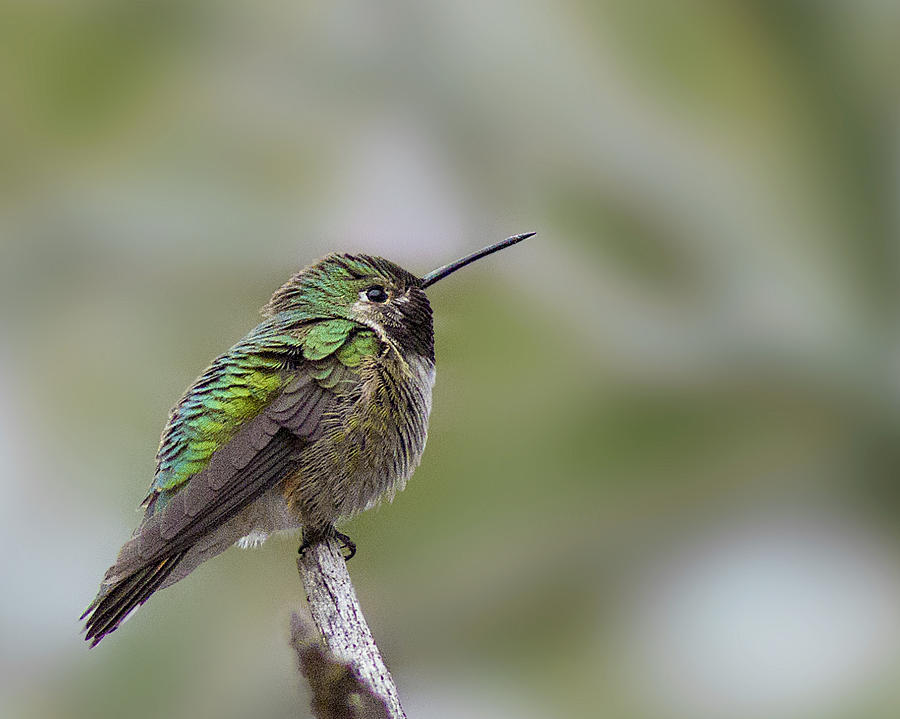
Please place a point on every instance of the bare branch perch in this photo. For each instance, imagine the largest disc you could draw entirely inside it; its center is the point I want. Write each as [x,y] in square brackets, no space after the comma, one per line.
[339,618]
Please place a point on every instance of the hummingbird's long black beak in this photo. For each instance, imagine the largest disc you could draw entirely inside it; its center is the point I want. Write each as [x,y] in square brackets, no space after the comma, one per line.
[441,272]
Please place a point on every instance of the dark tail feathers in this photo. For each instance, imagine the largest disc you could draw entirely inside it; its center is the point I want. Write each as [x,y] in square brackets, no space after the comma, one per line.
[112,607]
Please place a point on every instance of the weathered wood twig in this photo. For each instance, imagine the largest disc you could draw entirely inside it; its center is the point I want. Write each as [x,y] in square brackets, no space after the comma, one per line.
[339,618]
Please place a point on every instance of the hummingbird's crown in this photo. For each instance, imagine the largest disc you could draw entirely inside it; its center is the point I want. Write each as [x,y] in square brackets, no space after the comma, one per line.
[331,283]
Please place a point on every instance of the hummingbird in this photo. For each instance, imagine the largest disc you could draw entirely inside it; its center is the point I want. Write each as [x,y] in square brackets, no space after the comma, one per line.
[320,412]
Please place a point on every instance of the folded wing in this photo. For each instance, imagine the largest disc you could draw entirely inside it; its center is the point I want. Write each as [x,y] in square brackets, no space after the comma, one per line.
[263,452]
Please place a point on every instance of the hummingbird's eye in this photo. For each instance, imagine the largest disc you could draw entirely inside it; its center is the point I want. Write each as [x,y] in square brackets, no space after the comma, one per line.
[376,294]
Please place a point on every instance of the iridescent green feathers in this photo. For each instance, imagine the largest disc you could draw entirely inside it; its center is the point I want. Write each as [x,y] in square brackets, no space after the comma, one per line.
[309,320]
[306,319]
[240,383]
[230,392]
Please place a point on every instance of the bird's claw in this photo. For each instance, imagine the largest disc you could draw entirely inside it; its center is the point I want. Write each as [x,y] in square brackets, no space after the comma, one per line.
[309,539]
[346,543]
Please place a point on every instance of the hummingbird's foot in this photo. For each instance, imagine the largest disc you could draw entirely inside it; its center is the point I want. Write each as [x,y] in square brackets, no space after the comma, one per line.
[311,538]
[346,543]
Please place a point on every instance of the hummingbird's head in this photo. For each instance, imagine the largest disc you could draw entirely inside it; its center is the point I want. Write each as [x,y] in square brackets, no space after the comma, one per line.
[370,290]
[374,292]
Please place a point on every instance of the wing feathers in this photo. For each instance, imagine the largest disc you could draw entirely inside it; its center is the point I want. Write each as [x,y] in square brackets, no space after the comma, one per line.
[301,413]
[261,454]
[311,423]
[209,499]
[228,490]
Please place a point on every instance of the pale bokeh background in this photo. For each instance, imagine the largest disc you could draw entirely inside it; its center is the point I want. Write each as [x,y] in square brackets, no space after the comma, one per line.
[661,479]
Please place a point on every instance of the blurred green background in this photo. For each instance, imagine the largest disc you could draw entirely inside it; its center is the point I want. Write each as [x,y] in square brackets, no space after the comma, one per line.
[661,473]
